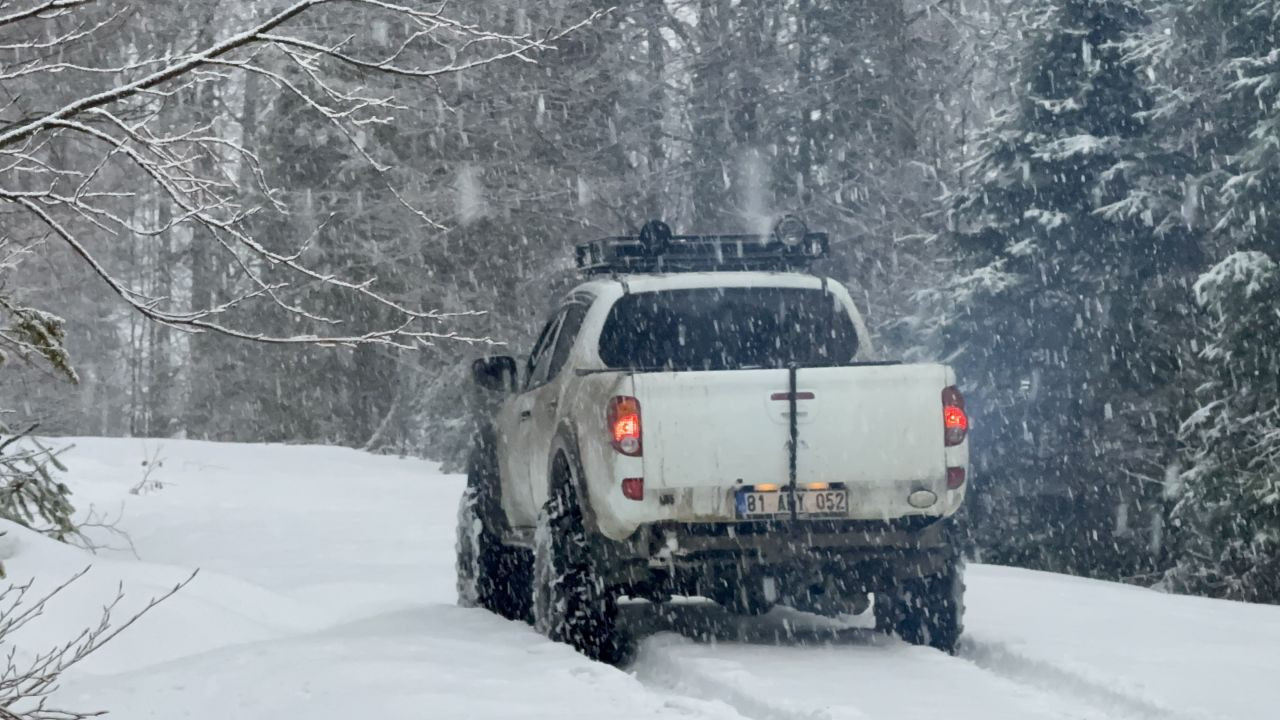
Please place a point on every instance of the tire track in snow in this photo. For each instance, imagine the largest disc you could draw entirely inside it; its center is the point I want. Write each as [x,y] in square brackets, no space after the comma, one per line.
[1004,661]
[773,669]
[657,667]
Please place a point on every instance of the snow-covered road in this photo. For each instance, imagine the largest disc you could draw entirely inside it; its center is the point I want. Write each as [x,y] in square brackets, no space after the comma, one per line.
[326,592]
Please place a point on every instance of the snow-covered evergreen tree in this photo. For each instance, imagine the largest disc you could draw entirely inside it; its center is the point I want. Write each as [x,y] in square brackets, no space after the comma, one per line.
[1229,508]
[1224,65]
[1064,262]
[1252,70]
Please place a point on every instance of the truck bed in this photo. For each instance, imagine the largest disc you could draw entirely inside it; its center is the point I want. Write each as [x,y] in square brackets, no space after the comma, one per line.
[875,429]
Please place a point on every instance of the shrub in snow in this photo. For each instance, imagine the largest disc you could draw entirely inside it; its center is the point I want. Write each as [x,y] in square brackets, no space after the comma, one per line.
[30,492]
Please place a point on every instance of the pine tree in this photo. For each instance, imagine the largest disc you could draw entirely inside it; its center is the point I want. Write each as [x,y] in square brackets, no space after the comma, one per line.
[1250,199]
[1230,505]
[1063,264]
[1221,63]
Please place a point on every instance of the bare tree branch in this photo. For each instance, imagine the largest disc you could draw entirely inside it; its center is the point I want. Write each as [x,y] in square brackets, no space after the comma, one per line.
[46,10]
[27,685]
[200,170]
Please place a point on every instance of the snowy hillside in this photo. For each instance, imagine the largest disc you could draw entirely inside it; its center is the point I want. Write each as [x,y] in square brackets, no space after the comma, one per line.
[326,591]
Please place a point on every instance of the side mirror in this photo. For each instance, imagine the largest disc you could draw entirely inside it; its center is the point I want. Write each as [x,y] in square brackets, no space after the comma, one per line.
[495,373]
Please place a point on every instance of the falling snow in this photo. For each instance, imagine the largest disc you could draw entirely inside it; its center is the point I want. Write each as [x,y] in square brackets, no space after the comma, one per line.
[1045,231]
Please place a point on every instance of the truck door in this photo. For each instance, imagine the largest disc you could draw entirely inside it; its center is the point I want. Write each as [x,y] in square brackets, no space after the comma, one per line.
[547,395]
[515,420]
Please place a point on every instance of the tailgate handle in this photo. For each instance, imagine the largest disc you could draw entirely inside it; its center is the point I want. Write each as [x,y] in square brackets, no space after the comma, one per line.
[785,397]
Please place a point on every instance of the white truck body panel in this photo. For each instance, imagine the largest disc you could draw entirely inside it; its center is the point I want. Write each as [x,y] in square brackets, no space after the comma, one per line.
[877,428]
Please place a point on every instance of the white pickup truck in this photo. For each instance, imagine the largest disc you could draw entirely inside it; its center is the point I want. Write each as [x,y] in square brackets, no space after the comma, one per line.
[702,418]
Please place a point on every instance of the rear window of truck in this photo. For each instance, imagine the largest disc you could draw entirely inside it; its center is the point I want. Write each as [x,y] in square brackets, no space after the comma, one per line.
[727,329]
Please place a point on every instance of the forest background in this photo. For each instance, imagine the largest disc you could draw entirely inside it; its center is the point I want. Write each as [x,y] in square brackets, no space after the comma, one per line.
[1073,201]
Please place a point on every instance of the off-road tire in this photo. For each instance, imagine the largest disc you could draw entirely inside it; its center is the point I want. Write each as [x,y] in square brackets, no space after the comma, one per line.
[490,575]
[925,611]
[571,604]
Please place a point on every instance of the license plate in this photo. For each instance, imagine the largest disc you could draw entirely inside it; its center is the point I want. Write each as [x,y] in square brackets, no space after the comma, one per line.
[809,503]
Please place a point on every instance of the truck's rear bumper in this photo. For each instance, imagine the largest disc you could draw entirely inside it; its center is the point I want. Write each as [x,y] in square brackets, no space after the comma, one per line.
[788,536]
[872,550]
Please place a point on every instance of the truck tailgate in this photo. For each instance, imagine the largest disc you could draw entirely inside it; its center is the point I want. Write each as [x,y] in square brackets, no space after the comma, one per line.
[878,428]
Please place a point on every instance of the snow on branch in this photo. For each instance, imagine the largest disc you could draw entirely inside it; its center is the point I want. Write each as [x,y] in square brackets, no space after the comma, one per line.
[1241,275]
[86,138]
[28,333]
[48,9]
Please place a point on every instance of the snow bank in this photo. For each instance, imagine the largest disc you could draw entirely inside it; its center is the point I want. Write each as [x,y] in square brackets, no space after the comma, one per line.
[1173,655]
[326,591]
[212,611]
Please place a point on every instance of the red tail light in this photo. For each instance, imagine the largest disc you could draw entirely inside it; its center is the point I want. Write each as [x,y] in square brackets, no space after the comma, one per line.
[955,477]
[624,425]
[955,423]
[633,488]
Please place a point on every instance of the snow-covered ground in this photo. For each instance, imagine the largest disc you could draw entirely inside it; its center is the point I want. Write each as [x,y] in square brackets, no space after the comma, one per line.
[326,591]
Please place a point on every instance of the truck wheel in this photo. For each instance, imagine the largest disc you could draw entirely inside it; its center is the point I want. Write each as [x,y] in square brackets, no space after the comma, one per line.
[925,611]
[490,575]
[571,604]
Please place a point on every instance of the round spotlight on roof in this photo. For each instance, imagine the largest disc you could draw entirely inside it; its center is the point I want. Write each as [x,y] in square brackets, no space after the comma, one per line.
[790,231]
[655,236]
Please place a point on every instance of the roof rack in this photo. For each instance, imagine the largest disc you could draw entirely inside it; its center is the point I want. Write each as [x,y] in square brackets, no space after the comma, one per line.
[656,250]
